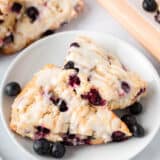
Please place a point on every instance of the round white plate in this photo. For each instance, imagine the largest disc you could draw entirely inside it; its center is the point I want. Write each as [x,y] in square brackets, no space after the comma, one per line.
[53,50]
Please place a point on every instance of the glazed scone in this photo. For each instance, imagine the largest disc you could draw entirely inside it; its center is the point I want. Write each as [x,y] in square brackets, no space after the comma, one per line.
[49,107]
[116,86]
[24,21]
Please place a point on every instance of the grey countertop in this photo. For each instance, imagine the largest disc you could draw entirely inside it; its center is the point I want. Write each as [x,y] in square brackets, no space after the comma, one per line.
[94,18]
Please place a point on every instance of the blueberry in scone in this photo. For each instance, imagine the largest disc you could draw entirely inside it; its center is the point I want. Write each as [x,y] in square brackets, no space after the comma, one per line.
[94,97]
[16,7]
[118,136]
[24,21]
[69,65]
[110,83]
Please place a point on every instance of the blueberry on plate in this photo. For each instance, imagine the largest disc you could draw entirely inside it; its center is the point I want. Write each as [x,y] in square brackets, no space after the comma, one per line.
[58,150]
[12,89]
[129,119]
[42,146]
[150,5]
[137,130]
[136,108]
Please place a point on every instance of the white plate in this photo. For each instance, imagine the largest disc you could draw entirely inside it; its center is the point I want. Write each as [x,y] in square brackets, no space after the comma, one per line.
[53,50]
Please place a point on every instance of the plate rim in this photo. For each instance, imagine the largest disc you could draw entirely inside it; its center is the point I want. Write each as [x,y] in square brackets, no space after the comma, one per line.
[25,52]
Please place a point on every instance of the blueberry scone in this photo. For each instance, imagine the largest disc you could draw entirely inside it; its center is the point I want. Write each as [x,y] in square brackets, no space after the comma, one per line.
[24,21]
[50,107]
[110,83]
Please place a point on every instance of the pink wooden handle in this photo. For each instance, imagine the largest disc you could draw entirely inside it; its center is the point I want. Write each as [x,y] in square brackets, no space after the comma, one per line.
[144,32]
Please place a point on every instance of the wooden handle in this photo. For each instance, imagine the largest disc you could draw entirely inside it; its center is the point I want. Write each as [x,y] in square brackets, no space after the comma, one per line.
[143,31]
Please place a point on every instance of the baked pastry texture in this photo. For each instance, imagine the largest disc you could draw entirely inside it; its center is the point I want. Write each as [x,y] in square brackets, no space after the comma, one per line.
[24,21]
[50,107]
[116,86]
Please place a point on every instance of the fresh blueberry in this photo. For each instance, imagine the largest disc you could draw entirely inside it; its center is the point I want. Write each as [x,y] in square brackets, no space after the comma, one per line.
[118,136]
[8,39]
[150,5]
[32,13]
[125,86]
[42,146]
[58,150]
[16,7]
[136,108]
[12,89]
[75,44]
[130,120]
[69,65]
[62,105]
[137,130]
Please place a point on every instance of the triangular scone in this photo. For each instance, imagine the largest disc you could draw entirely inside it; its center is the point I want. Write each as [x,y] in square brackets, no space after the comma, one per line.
[116,85]
[24,21]
[49,107]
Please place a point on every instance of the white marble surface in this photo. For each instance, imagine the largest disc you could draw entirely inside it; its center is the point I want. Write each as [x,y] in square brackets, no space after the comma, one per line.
[94,18]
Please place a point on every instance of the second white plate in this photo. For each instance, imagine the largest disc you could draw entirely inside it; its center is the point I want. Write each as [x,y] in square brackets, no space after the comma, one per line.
[53,50]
